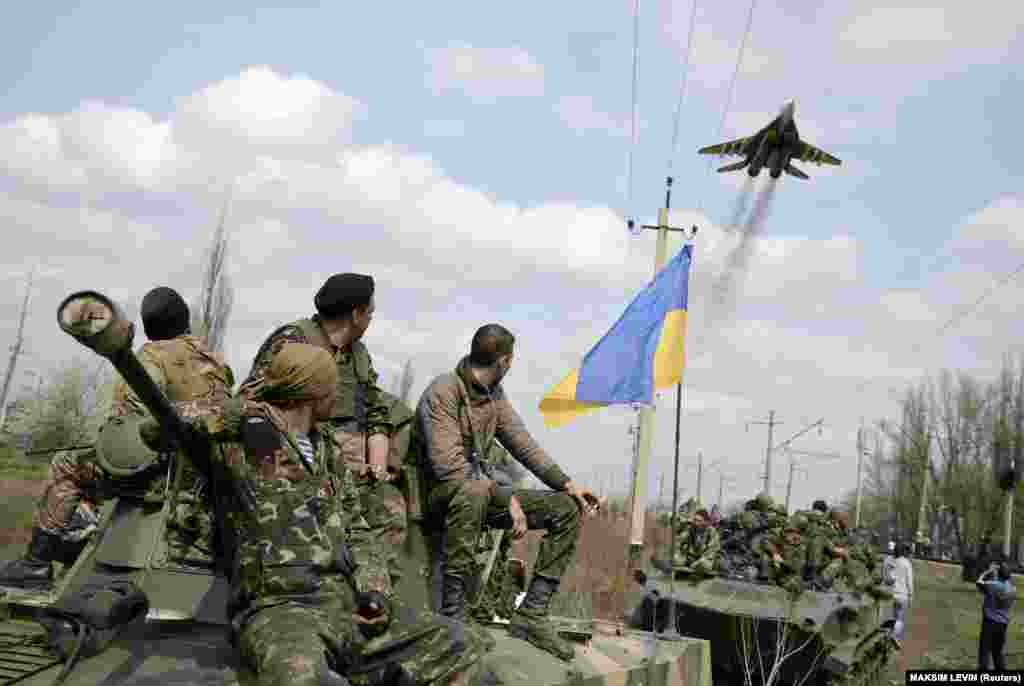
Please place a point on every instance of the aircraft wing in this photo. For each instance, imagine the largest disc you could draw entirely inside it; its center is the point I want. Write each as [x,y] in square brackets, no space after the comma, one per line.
[808,153]
[736,147]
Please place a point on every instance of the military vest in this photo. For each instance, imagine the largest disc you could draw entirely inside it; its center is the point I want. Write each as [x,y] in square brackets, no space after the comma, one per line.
[354,379]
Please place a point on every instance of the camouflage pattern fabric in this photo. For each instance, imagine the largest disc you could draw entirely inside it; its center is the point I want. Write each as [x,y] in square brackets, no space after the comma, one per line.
[289,645]
[358,397]
[466,506]
[383,504]
[498,596]
[787,572]
[293,547]
[698,551]
[69,504]
[76,485]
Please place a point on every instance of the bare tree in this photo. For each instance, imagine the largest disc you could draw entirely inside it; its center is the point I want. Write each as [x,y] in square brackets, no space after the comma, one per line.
[401,387]
[69,409]
[212,310]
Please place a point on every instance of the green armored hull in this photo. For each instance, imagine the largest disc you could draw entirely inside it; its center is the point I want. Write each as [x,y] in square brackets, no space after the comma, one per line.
[759,633]
[180,634]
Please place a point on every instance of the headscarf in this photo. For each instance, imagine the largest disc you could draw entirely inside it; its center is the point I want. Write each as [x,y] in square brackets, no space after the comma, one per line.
[298,372]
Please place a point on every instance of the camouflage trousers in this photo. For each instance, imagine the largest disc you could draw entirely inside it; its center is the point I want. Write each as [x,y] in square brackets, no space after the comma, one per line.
[76,486]
[465,507]
[850,572]
[497,598]
[383,504]
[292,645]
[69,504]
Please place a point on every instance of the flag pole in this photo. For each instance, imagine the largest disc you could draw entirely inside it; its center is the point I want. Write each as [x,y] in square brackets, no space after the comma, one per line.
[647,428]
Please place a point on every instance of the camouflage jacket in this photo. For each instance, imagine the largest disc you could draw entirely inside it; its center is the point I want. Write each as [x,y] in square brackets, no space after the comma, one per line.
[182,368]
[698,545]
[358,397]
[793,556]
[306,517]
[457,418]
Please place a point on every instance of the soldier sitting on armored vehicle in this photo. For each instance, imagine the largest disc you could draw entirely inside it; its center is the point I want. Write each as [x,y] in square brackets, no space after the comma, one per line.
[311,595]
[79,480]
[697,553]
[785,557]
[843,566]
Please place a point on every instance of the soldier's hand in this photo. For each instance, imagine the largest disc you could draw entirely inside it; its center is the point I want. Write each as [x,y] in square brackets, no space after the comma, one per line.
[378,472]
[519,525]
[585,499]
[372,613]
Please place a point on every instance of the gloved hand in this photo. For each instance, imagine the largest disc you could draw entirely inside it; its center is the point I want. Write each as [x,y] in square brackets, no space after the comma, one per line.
[372,613]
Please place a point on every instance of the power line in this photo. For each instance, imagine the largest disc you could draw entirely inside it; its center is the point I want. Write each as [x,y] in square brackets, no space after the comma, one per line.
[682,88]
[633,133]
[732,88]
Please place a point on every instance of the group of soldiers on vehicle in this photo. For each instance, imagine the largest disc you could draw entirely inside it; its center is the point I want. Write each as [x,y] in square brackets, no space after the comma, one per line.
[301,493]
[808,550]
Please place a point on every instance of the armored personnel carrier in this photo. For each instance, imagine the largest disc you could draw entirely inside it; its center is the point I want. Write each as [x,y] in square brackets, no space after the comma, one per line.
[761,633]
[133,611]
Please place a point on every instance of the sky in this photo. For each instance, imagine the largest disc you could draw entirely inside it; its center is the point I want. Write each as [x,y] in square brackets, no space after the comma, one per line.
[475,159]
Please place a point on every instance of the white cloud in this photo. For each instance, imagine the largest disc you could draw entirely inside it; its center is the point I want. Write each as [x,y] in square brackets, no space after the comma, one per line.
[806,335]
[262,108]
[484,74]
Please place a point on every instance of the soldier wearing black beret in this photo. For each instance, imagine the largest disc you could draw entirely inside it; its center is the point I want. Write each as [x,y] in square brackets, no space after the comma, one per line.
[361,421]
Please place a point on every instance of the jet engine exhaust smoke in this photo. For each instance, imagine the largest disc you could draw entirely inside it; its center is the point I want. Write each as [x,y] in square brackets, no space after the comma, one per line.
[723,291]
[739,208]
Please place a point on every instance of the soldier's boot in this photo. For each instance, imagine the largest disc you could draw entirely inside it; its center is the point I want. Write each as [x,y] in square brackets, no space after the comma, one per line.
[453,597]
[35,569]
[531,623]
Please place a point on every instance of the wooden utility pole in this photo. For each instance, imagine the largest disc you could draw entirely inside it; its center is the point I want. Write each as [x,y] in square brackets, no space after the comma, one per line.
[860,463]
[700,477]
[646,423]
[768,451]
[15,351]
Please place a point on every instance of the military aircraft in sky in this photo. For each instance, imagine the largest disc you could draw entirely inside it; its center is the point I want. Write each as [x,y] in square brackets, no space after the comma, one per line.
[776,146]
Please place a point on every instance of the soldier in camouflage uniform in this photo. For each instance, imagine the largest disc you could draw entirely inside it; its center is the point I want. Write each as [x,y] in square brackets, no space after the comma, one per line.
[79,480]
[785,557]
[843,566]
[698,547]
[457,418]
[311,598]
[361,420]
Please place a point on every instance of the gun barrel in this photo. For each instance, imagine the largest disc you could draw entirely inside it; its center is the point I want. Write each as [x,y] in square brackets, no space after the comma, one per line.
[96,322]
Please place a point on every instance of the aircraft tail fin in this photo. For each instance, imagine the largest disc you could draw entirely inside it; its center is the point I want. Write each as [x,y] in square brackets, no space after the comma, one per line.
[795,171]
[732,167]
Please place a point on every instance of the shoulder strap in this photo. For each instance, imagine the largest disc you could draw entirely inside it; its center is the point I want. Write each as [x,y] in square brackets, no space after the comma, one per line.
[463,405]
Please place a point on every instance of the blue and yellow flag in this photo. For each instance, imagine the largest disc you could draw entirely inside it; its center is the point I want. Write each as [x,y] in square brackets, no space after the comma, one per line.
[643,352]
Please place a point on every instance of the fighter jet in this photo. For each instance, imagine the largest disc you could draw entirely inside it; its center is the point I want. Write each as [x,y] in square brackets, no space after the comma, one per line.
[775,146]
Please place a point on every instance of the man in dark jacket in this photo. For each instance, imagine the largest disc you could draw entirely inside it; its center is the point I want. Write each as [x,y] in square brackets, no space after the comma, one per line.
[458,416]
[999,592]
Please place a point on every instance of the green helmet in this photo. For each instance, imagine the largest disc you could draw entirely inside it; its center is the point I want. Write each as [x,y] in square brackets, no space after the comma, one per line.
[120,450]
[764,502]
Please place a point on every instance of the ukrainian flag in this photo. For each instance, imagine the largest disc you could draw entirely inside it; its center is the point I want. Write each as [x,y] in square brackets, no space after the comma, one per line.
[643,352]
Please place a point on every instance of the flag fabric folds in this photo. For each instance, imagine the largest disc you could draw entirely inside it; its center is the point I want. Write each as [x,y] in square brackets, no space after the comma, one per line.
[644,351]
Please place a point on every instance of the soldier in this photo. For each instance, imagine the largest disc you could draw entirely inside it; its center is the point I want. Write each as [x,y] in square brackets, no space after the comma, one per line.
[843,565]
[361,420]
[785,557]
[79,480]
[311,596]
[698,550]
[458,416]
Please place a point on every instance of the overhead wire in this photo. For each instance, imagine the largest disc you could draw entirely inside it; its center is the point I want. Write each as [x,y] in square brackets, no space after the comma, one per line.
[684,78]
[731,91]
[633,126]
